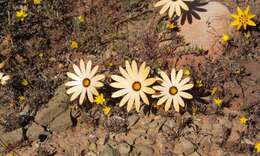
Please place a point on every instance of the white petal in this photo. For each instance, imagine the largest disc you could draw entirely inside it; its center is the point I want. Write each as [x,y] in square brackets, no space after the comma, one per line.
[5,78]
[119,79]
[144,71]
[137,102]
[90,95]
[160,88]
[120,93]
[124,100]
[82,96]
[77,70]
[160,3]
[165,8]
[130,103]
[134,68]
[168,103]
[186,87]
[157,95]
[185,95]
[144,97]
[183,5]
[129,70]
[166,78]
[180,100]
[82,67]
[94,91]
[72,83]
[178,9]
[179,76]
[1,75]
[173,75]
[98,77]
[172,9]
[93,72]
[88,68]
[148,90]
[149,81]
[97,84]
[73,89]
[176,104]
[162,100]
[75,95]
[73,76]
[184,81]
[124,73]
[119,85]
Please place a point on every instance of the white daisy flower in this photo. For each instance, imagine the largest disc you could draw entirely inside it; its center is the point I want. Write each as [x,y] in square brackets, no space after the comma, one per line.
[133,85]
[173,90]
[84,81]
[173,6]
[4,79]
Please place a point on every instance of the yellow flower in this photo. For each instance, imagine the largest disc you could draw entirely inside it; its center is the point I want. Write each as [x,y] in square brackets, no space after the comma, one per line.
[214,90]
[74,45]
[40,54]
[24,83]
[217,101]
[9,154]
[106,110]
[257,147]
[21,14]
[199,84]
[225,38]
[21,99]
[243,18]
[186,72]
[171,26]
[81,19]
[243,120]
[37,2]
[100,99]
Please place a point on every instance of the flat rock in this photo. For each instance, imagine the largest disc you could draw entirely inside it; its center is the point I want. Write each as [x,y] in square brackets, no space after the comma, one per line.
[203,29]
[124,148]
[34,131]
[61,123]
[56,106]
[184,147]
[144,150]
[13,137]
[109,151]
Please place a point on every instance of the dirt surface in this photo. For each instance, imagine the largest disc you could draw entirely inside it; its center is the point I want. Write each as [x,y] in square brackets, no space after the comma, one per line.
[37,51]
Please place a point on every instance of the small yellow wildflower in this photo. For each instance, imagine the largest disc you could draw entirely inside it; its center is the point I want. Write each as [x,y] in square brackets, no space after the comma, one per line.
[199,84]
[100,99]
[21,99]
[257,147]
[243,120]
[186,72]
[106,110]
[2,64]
[9,154]
[217,101]
[171,25]
[37,2]
[74,45]
[24,83]
[225,38]
[21,14]
[214,90]
[81,18]
[243,18]
[40,54]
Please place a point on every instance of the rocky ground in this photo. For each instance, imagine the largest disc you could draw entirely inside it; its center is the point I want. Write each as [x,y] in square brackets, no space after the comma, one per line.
[46,123]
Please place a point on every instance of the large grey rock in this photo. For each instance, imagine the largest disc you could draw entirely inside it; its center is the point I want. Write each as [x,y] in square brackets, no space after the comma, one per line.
[184,146]
[61,123]
[34,131]
[55,107]
[205,29]
[144,150]
[109,151]
[124,148]
[13,137]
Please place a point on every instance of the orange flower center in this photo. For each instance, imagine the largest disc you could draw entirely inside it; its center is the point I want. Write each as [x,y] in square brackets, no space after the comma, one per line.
[86,82]
[136,86]
[173,90]
[243,19]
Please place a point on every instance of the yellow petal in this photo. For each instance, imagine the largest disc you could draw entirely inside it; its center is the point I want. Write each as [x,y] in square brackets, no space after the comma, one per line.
[239,11]
[234,16]
[251,23]
[235,23]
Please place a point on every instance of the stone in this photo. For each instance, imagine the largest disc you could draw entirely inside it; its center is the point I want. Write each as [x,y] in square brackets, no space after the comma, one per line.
[156,126]
[93,147]
[55,107]
[132,120]
[145,140]
[205,29]
[184,146]
[13,137]
[195,154]
[61,123]
[109,151]
[34,131]
[124,148]
[144,149]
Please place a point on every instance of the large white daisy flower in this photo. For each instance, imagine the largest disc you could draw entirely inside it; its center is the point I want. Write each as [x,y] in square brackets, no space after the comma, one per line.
[173,6]
[133,85]
[4,79]
[173,90]
[84,81]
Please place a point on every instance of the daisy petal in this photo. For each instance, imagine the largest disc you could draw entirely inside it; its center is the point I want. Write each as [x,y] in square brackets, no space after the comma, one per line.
[179,76]
[144,97]
[82,67]
[130,103]
[176,104]
[185,95]
[160,3]
[73,89]
[123,72]
[134,67]
[168,103]
[75,95]
[165,8]
[72,83]
[124,100]
[162,100]
[183,5]
[88,68]
[98,84]
[137,102]
[82,96]
[73,76]
[98,77]
[186,87]
[120,93]
[180,100]
[166,78]
[149,81]
[90,95]
[93,72]
[77,70]
[148,90]
[172,9]
[178,10]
